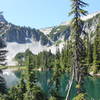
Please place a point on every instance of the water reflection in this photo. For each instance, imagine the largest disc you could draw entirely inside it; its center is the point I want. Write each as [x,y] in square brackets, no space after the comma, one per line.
[10,78]
[92,85]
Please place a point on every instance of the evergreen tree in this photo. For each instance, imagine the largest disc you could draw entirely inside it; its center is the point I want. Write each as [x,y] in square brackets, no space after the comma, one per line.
[33,92]
[96,51]
[79,48]
[31,75]
[4,97]
[57,73]
[66,57]
[22,88]
[57,70]
[3,88]
[89,52]
[51,59]
[14,93]
[2,52]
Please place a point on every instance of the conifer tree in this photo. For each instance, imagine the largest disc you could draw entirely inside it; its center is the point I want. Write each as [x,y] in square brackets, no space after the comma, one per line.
[2,58]
[57,73]
[31,75]
[57,70]
[33,92]
[88,51]
[2,52]
[96,51]
[22,88]
[79,54]
[66,56]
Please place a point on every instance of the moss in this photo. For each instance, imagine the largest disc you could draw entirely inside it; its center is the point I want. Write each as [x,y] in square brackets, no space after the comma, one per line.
[78,86]
[52,98]
[80,96]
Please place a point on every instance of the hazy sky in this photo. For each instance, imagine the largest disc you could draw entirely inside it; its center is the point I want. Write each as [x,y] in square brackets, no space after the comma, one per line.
[40,13]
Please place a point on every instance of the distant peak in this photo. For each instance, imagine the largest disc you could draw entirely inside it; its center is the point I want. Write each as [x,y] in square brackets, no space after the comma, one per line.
[47,30]
[1,12]
[65,23]
[89,16]
[84,18]
[2,19]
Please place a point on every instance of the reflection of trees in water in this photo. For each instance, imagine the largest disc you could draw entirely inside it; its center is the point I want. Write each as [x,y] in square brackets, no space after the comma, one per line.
[10,78]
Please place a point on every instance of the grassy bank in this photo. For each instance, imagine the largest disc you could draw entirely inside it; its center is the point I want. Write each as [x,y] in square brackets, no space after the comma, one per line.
[13,67]
[16,68]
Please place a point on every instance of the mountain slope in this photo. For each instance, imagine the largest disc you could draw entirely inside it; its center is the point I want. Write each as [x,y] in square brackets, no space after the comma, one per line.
[21,38]
[62,32]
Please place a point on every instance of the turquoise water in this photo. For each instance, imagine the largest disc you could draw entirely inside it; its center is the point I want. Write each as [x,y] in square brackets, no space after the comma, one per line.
[92,85]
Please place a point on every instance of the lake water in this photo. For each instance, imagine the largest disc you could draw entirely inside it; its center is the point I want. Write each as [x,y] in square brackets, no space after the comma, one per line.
[92,85]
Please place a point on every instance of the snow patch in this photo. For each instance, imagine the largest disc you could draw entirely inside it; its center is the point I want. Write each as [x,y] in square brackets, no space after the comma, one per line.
[89,16]
[46,31]
[84,18]
[14,48]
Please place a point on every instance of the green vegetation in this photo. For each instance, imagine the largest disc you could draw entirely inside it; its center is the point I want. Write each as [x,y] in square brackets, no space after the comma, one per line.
[3,88]
[96,52]
[42,60]
[80,55]
[60,63]
[79,69]
[80,96]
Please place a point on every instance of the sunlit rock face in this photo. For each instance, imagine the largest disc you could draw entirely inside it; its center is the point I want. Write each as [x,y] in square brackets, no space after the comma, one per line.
[10,78]
[24,35]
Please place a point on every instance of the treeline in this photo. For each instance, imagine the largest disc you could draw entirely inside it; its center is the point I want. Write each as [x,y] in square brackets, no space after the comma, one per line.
[93,52]
[28,88]
[45,59]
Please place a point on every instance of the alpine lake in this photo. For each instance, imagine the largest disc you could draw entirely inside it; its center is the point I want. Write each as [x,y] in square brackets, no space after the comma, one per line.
[92,84]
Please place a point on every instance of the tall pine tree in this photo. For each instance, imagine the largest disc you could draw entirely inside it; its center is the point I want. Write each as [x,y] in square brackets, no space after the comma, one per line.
[79,48]
[96,51]
[2,57]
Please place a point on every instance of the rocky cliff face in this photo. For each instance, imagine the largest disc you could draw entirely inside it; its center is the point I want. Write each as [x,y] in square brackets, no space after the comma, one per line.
[24,35]
[21,38]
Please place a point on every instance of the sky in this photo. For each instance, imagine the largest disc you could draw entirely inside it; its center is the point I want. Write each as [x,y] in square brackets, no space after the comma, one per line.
[40,13]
